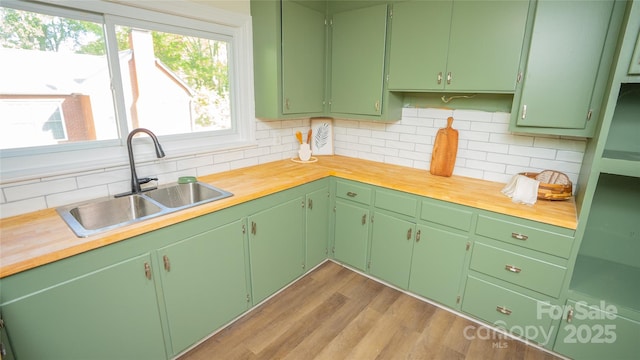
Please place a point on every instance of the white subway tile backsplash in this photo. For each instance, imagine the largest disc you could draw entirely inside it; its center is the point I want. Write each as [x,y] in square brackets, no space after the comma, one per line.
[37,189]
[486,150]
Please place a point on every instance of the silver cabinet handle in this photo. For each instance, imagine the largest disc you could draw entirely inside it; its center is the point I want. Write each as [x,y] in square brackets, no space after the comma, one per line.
[503,310]
[449,77]
[147,270]
[524,111]
[519,236]
[440,78]
[364,219]
[167,263]
[512,269]
[418,235]
[409,234]
[352,194]
[377,105]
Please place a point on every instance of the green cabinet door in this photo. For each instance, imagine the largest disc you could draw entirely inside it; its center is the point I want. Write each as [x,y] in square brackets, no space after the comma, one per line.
[351,234]
[110,313]
[303,59]
[485,46]
[438,264]
[419,45]
[456,45]
[593,333]
[204,283]
[357,60]
[567,43]
[317,227]
[288,58]
[391,249]
[276,238]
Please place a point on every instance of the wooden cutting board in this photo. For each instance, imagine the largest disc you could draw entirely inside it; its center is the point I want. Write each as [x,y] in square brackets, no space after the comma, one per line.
[445,149]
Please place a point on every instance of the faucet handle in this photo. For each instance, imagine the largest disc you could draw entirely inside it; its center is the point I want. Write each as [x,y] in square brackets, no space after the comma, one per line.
[146,180]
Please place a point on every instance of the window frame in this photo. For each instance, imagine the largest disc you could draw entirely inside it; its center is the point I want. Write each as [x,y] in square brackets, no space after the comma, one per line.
[193,20]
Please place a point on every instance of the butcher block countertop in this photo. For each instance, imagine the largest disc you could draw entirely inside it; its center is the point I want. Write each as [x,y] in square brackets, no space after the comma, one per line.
[38,238]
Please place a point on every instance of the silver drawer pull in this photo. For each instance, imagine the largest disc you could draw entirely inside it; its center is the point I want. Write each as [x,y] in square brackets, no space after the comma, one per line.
[352,194]
[512,268]
[519,236]
[503,310]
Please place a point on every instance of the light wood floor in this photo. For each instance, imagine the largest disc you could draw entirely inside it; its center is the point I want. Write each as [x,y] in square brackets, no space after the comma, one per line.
[335,313]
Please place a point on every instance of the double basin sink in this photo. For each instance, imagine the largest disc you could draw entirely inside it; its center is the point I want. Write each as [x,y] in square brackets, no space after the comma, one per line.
[101,215]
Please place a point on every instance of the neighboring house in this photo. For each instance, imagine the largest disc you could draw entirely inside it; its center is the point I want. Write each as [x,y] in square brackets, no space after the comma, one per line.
[56,97]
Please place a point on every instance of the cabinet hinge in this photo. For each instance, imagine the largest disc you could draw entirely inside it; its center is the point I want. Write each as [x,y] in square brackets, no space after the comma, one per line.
[244,229]
[333,250]
[248,298]
[369,265]
[334,209]
[458,299]
[390,12]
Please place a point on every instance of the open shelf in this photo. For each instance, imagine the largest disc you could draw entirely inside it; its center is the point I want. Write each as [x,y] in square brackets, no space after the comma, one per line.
[607,280]
[622,150]
[608,262]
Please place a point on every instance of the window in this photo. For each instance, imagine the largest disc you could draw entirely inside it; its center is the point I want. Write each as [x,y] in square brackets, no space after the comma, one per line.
[83,78]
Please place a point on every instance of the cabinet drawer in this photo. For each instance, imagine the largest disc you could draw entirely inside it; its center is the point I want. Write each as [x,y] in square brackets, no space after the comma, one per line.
[354,192]
[526,236]
[506,309]
[396,202]
[524,271]
[448,215]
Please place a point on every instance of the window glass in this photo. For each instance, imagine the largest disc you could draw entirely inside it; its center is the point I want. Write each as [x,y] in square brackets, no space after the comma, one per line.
[174,84]
[55,85]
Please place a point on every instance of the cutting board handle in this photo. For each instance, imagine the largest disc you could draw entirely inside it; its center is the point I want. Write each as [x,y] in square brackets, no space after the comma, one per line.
[449,122]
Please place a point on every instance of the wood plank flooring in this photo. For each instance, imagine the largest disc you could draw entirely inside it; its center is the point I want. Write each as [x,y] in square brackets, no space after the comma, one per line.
[335,313]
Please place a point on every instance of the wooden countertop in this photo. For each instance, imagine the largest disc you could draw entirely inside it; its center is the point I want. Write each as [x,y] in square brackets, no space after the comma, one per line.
[38,238]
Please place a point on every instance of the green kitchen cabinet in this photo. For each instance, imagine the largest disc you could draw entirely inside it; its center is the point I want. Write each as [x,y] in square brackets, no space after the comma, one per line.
[393,231]
[437,264]
[453,45]
[108,313]
[276,246]
[204,283]
[567,67]
[317,227]
[358,40]
[289,57]
[589,331]
[351,214]
[351,233]
[392,242]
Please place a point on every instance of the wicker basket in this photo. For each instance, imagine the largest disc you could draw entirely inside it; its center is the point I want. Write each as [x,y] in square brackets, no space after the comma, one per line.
[559,191]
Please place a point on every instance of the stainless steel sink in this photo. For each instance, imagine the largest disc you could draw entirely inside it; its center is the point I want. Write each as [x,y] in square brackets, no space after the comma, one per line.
[180,196]
[92,217]
[97,216]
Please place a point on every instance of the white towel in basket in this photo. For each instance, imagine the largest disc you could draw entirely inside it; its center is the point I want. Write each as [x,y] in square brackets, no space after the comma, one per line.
[522,190]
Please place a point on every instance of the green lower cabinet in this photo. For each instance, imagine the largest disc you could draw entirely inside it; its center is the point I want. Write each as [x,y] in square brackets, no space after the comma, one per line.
[351,233]
[507,309]
[317,227]
[391,248]
[597,332]
[110,313]
[204,283]
[438,263]
[276,240]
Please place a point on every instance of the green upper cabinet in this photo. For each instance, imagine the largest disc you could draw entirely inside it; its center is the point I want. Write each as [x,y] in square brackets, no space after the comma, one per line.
[204,283]
[288,58]
[466,46]
[567,67]
[358,43]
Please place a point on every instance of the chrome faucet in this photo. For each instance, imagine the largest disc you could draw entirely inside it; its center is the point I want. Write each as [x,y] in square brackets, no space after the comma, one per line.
[135,182]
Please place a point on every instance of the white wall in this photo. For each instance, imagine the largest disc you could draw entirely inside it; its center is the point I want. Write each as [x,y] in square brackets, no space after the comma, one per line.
[486,150]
